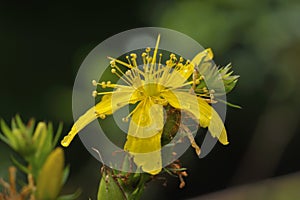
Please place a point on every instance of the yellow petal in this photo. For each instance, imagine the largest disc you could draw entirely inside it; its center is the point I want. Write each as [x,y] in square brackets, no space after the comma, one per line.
[108,104]
[146,152]
[172,79]
[206,114]
[144,135]
[146,120]
[205,55]
[186,71]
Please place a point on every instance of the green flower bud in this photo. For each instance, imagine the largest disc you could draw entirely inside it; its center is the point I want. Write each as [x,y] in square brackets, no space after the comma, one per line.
[49,181]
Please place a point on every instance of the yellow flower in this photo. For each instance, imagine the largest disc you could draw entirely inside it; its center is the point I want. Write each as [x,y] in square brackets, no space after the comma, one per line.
[152,86]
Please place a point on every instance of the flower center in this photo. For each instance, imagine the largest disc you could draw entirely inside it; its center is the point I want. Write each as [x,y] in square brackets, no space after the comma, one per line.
[152,89]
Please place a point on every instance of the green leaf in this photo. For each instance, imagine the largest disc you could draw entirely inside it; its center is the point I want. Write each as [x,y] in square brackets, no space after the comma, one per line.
[137,193]
[229,104]
[19,165]
[20,124]
[7,132]
[65,174]
[70,196]
[109,188]
[212,76]
[31,126]
[4,139]
[57,135]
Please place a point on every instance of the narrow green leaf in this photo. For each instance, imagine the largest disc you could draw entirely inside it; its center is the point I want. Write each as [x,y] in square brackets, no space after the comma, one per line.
[13,124]
[66,173]
[20,124]
[50,130]
[229,104]
[20,166]
[73,196]
[30,126]
[57,135]
[7,132]
[4,139]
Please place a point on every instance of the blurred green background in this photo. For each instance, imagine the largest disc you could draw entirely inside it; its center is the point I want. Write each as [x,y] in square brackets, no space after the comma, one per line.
[42,45]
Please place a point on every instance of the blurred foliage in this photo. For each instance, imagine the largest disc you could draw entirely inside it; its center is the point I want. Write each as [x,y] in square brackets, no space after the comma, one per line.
[44,163]
[257,37]
[281,188]
[34,144]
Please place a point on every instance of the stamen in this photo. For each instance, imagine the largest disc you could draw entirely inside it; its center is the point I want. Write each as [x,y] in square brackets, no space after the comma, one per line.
[124,75]
[131,113]
[95,93]
[128,81]
[127,57]
[159,61]
[185,84]
[121,62]
[144,59]
[133,59]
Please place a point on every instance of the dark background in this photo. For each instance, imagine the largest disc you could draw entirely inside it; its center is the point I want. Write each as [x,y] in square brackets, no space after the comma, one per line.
[42,45]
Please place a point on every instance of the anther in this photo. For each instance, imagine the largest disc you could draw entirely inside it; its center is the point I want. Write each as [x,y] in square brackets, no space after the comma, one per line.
[113,63]
[94,93]
[113,71]
[148,49]
[103,84]
[102,116]
[133,55]
[94,82]
[181,59]
[125,119]
[128,72]
[160,56]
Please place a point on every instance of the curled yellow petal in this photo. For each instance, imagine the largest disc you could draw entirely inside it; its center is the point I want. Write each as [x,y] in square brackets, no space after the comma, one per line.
[205,55]
[206,114]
